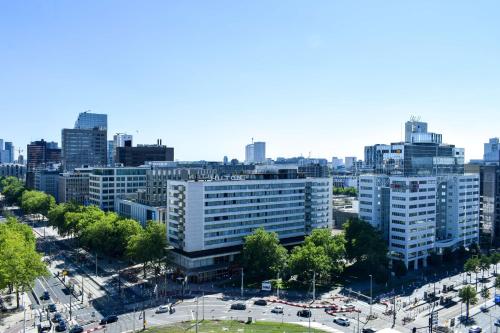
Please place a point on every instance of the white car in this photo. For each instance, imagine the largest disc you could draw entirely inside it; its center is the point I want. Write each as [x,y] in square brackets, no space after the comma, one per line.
[342,321]
[277,309]
[162,309]
[475,329]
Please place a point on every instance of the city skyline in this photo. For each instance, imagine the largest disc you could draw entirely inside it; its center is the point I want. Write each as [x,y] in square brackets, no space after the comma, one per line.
[325,79]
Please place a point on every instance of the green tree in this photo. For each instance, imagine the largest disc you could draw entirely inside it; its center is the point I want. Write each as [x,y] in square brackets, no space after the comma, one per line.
[472,266]
[334,246]
[364,246]
[148,246]
[495,259]
[57,218]
[20,264]
[309,258]
[484,264]
[12,189]
[468,296]
[262,256]
[399,268]
[485,294]
[36,202]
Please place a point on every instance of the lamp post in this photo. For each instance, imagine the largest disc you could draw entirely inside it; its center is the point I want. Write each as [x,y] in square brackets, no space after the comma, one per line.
[371,294]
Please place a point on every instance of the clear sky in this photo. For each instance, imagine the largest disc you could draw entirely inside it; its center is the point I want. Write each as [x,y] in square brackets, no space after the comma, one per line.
[326,77]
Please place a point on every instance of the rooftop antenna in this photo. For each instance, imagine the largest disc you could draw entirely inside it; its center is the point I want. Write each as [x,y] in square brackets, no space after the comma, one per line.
[252,140]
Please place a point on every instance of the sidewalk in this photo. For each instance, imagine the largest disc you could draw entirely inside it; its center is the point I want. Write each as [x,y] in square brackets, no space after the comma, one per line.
[12,322]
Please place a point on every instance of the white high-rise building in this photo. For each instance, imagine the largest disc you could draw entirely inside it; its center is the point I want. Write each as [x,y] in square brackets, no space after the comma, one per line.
[337,163]
[255,153]
[492,151]
[350,162]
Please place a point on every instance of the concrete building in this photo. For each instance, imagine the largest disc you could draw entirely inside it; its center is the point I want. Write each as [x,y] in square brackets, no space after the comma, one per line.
[255,153]
[344,208]
[419,197]
[40,155]
[350,162]
[111,150]
[337,163]
[136,156]
[120,140]
[47,180]
[84,147]
[13,170]
[108,183]
[6,152]
[74,186]
[89,120]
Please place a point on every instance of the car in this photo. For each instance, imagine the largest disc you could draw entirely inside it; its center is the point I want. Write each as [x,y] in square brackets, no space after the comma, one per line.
[45,296]
[238,306]
[162,309]
[342,321]
[277,309]
[57,317]
[262,302]
[109,319]
[52,307]
[76,329]
[368,330]
[304,313]
[475,329]
[61,327]
[497,323]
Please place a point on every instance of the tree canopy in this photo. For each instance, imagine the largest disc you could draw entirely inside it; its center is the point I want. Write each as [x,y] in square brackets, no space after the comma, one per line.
[12,188]
[263,256]
[36,202]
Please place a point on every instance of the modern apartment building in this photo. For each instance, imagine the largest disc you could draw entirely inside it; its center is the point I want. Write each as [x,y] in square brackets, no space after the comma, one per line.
[84,147]
[108,183]
[419,197]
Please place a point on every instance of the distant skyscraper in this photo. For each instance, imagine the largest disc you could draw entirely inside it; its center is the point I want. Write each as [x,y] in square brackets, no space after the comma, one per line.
[9,149]
[350,162]
[255,153]
[88,120]
[121,140]
[111,150]
[337,163]
[84,147]
[225,160]
[492,151]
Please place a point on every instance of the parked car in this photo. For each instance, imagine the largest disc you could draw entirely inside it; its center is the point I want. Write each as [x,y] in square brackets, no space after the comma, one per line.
[277,309]
[109,319]
[162,309]
[76,329]
[475,329]
[262,302]
[238,306]
[52,307]
[304,313]
[342,321]
[61,327]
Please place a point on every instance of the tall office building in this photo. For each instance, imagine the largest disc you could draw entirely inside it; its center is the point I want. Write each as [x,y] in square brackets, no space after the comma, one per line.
[492,151]
[89,120]
[6,152]
[84,147]
[74,186]
[121,140]
[255,153]
[40,155]
[419,197]
[111,151]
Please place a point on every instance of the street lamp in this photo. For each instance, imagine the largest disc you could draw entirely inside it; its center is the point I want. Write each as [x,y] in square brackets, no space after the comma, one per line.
[371,294]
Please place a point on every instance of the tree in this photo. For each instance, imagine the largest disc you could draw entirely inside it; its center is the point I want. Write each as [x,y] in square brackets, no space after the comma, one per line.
[20,264]
[399,268]
[36,202]
[149,245]
[468,296]
[485,293]
[262,256]
[308,259]
[334,247]
[364,245]
[472,266]
[350,191]
[484,264]
[12,189]
[495,259]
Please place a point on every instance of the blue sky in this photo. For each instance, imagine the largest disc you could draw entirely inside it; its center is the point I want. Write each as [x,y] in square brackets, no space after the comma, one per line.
[325,77]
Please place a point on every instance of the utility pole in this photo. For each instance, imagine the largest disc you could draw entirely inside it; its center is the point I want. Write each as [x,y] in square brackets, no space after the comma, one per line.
[70,308]
[394,312]
[358,323]
[96,264]
[143,311]
[242,281]
[82,289]
[203,306]
[133,322]
[278,286]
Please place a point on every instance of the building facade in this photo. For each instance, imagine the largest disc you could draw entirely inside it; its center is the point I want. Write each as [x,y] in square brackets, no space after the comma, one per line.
[89,120]
[13,170]
[74,186]
[255,153]
[136,156]
[108,183]
[40,155]
[84,147]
